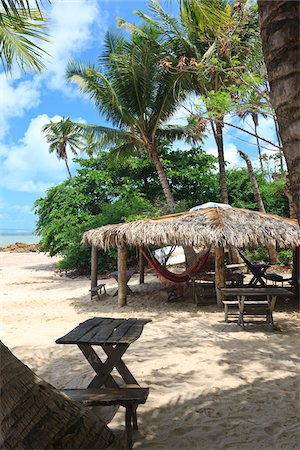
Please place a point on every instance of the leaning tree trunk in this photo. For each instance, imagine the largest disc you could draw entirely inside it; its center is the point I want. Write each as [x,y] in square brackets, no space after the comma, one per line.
[162,178]
[68,168]
[261,207]
[36,416]
[279,23]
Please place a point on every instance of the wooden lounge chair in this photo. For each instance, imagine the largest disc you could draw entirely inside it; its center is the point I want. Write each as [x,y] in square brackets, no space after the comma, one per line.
[259,273]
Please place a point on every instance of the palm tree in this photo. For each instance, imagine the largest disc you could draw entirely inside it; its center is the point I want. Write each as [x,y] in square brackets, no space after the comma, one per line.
[61,135]
[21,26]
[201,35]
[279,23]
[135,93]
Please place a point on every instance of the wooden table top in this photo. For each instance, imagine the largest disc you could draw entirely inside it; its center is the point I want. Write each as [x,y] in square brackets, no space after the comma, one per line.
[257,291]
[104,330]
[129,273]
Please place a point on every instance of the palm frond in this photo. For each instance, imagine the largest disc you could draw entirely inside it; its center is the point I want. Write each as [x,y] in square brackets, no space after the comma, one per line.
[18,35]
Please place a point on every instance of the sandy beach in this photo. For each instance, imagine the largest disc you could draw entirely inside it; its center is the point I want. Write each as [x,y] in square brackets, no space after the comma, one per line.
[212,385]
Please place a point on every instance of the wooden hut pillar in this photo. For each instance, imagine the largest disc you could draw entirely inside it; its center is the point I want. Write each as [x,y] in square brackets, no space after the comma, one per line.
[141,267]
[122,275]
[220,278]
[94,267]
[296,270]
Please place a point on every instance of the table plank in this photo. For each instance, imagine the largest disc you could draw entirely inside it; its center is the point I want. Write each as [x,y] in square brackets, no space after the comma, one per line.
[74,335]
[103,332]
[132,334]
[256,291]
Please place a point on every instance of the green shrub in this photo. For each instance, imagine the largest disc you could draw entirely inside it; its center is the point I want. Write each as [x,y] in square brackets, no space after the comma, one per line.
[285,257]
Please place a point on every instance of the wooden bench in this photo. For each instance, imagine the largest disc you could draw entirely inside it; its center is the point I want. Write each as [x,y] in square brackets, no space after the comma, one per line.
[96,290]
[228,303]
[128,397]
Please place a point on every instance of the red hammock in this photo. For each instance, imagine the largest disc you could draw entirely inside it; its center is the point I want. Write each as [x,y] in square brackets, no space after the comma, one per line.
[173,278]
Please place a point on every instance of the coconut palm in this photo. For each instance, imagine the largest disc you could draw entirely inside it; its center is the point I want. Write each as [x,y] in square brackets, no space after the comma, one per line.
[279,22]
[137,95]
[21,26]
[62,135]
[202,34]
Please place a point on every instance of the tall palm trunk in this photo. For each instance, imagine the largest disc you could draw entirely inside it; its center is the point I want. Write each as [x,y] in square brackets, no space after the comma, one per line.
[217,128]
[162,178]
[279,23]
[255,122]
[260,204]
[35,416]
[68,168]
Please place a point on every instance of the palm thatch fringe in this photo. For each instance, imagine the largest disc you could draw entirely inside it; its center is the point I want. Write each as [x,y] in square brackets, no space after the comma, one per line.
[201,228]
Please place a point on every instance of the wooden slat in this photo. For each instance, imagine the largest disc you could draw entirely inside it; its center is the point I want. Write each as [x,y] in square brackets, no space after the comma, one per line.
[133,334]
[120,331]
[102,333]
[256,291]
[74,335]
[107,396]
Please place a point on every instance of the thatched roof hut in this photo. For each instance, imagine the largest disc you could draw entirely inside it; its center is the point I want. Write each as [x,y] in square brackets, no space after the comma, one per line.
[208,226]
[204,227]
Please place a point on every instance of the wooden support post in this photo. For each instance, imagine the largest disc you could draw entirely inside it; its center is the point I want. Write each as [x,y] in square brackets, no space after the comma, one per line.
[141,267]
[122,275]
[94,267]
[220,279]
[296,270]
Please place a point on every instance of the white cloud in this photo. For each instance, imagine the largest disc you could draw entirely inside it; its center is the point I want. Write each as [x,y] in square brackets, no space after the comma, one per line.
[17,98]
[27,165]
[74,27]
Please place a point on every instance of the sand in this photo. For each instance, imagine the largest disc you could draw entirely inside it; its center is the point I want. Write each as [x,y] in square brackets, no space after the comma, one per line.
[212,385]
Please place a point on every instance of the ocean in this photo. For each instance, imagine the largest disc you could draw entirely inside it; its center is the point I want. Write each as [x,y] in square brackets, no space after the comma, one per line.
[9,236]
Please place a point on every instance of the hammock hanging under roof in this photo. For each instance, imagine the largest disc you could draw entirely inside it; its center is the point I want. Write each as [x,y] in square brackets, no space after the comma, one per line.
[175,278]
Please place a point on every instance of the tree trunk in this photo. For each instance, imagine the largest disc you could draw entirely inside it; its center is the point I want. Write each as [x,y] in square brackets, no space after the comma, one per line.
[279,23]
[288,193]
[218,134]
[34,415]
[261,207]
[68,168]
[163,179]
[255,121]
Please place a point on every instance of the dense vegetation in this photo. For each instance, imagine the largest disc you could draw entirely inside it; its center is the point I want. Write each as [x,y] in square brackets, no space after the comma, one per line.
[106,191]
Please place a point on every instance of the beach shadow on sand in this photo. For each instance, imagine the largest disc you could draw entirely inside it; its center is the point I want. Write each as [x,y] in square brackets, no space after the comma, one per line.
[256,414]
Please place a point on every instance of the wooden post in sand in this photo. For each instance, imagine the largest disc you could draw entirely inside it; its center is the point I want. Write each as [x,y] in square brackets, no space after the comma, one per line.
[220,278]
[141,267]
[122,275]
[94,267]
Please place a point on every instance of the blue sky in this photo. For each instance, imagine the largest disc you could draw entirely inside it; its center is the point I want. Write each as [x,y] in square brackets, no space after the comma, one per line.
[76,29]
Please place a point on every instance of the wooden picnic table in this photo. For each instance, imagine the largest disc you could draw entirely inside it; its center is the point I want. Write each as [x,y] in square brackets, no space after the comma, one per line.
[129,274]
[253,301]
[207,280]
[114,336]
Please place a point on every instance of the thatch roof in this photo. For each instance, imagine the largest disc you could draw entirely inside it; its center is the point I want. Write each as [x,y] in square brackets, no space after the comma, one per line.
[201,228]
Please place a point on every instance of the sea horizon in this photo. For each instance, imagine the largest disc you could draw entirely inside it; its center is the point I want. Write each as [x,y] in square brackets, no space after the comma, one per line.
[11,236]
